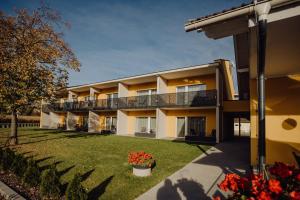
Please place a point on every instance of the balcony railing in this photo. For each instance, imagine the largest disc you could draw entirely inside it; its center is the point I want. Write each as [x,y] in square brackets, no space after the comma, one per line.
[188,99]
[203,98]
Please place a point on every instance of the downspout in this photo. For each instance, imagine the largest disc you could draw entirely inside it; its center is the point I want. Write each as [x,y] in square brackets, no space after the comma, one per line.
[262,11]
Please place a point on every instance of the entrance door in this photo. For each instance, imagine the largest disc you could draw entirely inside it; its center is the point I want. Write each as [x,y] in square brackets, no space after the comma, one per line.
[196,126]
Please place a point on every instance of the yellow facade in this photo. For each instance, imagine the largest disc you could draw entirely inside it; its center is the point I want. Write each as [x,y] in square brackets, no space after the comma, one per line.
[132,89]
[172,115]
[282,119]
[132,115]
[81,95]
[104,92]
[209,80]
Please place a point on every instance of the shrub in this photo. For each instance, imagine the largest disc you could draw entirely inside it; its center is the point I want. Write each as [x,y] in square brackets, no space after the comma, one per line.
[75,191]
[283,183]
[32,174]
[50,185]
[19,165]
[140,159]
[7,159]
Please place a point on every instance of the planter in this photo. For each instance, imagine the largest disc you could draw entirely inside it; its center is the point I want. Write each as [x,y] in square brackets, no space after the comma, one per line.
[141,172]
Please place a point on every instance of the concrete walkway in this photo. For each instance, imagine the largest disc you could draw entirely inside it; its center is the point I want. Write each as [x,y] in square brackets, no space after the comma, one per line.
[199,179]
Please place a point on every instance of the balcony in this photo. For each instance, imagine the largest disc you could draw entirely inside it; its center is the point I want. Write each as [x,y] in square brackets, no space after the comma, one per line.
[205,98]
[145,101]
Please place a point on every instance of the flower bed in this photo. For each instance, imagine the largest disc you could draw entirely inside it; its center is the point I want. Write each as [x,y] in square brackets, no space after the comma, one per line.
[141,160]
[283,183]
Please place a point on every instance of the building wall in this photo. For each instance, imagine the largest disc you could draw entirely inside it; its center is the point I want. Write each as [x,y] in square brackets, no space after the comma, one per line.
[82,95]
[132,115]
[236,106]
[209,80]
[132,89]
[171,116]
[103,92]
[282,119]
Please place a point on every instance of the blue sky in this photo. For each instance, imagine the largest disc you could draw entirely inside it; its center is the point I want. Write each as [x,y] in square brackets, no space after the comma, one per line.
[117,38]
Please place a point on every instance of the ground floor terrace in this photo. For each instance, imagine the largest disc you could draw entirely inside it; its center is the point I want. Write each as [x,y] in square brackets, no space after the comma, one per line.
[196,124]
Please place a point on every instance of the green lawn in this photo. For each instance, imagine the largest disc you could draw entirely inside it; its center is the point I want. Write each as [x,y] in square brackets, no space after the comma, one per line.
[103,159]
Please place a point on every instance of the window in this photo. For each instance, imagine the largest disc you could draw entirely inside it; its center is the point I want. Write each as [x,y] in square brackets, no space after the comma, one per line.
[111,123]
[146,124]
[189,94]
[142,124]
[196,126]
[87,98]
[181,126]
[152,124]
[191,126]
[145,98]
[111,99]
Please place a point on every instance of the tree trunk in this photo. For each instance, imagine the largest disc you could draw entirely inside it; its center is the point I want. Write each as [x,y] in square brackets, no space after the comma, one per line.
[14,129]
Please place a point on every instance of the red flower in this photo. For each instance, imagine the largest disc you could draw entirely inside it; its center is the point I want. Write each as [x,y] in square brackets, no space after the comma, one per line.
[295,195]
[298,177]
[230,182]
[140,159]
[282,170]
[274,186]
[216,198]
[264,196]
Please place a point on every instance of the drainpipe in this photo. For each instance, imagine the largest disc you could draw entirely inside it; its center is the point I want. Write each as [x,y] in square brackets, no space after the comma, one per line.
[262,11]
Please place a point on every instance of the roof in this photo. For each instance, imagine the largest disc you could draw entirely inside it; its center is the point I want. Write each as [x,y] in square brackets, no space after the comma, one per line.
[158,73]
[231,13]
[191,21]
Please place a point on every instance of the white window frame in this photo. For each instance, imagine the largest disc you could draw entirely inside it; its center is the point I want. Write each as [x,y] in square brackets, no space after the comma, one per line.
[111,120]
[148,123]
[185,125]
[186,87]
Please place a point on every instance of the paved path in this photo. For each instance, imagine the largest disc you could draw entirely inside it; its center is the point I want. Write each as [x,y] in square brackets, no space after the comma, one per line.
[198,179]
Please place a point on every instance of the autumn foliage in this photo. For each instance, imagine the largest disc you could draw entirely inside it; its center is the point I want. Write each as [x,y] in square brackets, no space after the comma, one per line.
[34,60]
[140,159]
[284,183]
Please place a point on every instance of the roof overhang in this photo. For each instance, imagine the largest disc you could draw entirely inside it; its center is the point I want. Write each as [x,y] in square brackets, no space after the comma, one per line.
[236,20]
[184,72]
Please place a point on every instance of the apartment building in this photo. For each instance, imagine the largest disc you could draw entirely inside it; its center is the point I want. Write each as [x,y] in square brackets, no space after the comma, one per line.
[265,33]
[180,103]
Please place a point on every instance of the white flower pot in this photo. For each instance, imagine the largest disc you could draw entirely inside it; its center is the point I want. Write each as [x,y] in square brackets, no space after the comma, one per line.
[141,172]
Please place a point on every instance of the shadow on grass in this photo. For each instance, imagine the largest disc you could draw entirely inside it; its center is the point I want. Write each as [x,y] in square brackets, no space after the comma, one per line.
[37,141]
[66,170]
[86,175]
[43,159]
[44,167]
[97,191]
[85,135]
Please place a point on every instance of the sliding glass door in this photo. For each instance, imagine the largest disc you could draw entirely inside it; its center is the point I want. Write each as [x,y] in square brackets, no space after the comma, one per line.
[190,126]
[111,124]
[196,126]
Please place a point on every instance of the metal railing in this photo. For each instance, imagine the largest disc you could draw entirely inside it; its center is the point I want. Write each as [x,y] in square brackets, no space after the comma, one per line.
[180,99]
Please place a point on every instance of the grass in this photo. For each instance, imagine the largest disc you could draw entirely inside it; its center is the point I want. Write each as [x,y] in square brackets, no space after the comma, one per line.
[102,159]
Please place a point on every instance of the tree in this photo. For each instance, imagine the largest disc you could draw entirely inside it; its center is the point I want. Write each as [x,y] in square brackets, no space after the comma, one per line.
[34,60]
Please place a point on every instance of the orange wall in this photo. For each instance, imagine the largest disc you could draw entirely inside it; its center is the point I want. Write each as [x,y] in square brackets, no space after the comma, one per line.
[132,89]
[282,119]
[132,115]
[103,92]
[81,95]
[210,115]
[236,106]
[209,80]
